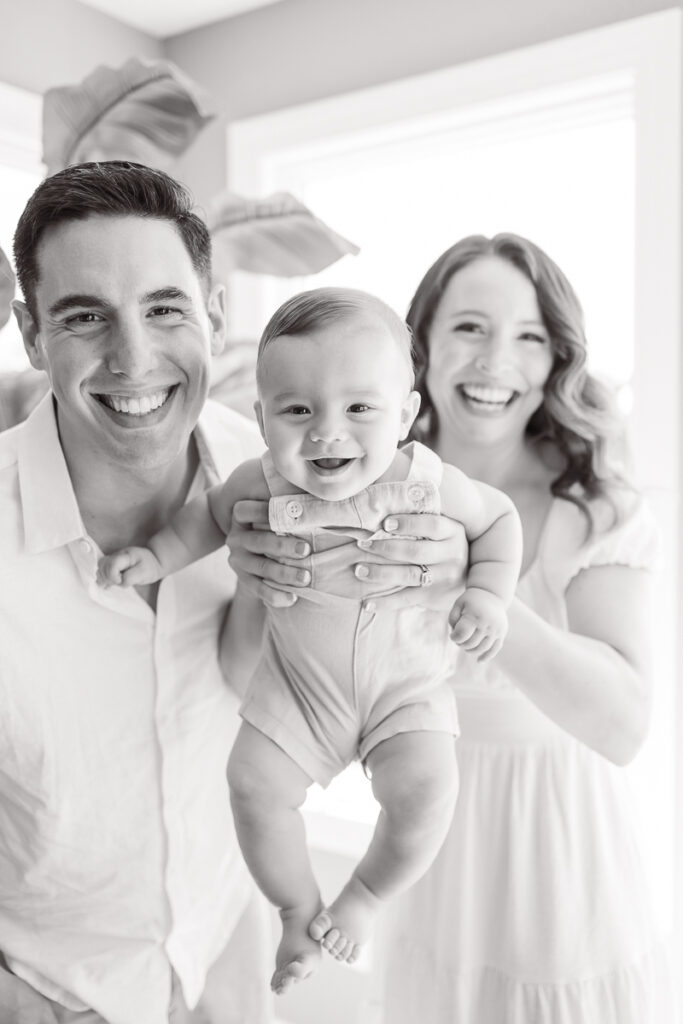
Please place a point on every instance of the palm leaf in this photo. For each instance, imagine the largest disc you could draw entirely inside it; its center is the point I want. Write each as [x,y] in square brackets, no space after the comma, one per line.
[275,235]
[144,111]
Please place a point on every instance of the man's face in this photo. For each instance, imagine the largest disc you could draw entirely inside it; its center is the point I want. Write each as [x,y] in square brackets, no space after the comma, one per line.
[125,337]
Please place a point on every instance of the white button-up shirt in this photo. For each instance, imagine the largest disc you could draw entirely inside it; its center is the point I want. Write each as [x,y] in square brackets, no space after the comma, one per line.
[118,859]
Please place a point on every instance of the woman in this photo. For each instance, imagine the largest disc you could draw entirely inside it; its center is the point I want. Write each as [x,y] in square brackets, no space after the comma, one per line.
[536,908]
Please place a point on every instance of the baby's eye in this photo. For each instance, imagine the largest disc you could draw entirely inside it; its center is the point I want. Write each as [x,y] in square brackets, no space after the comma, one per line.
[297,410]
[359,407]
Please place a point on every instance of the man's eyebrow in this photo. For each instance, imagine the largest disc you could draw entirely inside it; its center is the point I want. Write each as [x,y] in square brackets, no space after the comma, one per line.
[70,301]
[167,294]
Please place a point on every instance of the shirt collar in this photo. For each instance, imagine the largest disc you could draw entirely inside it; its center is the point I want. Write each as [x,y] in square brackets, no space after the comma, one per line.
[51,514]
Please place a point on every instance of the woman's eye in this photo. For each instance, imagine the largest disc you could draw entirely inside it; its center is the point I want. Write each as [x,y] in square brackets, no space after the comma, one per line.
[469,327]
[540,339]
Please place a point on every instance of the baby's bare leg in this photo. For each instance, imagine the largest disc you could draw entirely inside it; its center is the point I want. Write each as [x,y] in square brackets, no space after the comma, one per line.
[267,789]
[415,780]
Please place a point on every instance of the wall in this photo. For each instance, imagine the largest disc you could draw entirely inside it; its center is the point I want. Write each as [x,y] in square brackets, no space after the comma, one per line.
[302,50]
[56,42]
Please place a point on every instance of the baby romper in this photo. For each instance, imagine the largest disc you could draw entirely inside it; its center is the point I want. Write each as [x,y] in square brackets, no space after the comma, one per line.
[338,674]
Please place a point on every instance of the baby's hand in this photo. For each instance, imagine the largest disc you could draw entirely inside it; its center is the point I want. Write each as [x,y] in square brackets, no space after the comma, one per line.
[478,623]
[129,567]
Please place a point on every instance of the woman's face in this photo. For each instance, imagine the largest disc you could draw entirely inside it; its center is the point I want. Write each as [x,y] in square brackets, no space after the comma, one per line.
[489,354]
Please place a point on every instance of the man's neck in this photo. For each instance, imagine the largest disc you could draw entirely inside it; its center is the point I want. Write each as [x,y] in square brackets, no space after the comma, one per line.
[121,506]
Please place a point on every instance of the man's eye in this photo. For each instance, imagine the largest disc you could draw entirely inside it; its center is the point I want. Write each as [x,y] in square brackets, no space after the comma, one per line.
[84,318]
[163,311]
[359,407]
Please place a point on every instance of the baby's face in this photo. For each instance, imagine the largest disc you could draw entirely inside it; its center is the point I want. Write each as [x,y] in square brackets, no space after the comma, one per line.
[334,405]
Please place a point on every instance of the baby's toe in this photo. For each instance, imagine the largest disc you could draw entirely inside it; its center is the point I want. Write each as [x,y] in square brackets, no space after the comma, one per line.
[320,926]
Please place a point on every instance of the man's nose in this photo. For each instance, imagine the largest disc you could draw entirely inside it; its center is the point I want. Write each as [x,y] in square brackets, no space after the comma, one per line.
[131,350]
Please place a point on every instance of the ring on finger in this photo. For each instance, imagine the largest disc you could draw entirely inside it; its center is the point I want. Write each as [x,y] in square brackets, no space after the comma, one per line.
[426,578]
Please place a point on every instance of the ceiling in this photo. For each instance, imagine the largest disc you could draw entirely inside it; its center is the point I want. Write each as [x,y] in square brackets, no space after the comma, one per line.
[162,18]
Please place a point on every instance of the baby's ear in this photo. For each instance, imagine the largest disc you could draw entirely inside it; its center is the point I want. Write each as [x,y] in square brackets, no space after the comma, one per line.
[409,412]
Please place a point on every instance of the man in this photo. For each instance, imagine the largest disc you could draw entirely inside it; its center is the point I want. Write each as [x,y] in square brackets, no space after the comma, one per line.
[121,885]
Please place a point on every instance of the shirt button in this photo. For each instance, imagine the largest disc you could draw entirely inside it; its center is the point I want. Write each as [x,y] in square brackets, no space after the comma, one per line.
[416,494]
[294,509]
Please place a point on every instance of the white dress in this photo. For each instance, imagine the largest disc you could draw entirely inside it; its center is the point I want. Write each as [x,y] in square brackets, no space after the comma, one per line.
[536,910]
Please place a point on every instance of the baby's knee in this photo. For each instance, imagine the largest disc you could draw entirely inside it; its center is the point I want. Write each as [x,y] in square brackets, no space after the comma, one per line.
[421,792]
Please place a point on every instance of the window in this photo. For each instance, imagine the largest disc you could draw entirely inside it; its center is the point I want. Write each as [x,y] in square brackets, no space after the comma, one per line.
[574,143]
[20,172]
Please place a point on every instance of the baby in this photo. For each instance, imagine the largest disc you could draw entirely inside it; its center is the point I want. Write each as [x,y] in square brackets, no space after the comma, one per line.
[340,677]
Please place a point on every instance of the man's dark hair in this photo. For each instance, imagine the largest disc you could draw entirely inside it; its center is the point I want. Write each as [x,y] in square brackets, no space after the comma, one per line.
[113,188]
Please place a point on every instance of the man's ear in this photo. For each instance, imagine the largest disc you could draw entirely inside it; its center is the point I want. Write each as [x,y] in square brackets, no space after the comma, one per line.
[31,335]
[217,318]
[258,409]
[409,412]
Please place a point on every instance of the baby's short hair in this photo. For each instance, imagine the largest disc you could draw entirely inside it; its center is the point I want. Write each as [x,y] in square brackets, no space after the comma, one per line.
[309,311]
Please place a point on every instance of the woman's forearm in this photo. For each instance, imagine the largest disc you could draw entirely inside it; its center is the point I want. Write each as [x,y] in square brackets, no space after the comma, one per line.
[583,684]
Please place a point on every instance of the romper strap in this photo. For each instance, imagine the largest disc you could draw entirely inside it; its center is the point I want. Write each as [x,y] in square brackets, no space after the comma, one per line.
[424,463]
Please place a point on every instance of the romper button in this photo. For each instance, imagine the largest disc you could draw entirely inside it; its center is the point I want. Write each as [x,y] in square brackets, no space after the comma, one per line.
[416,494]
[85,544]
[293,509]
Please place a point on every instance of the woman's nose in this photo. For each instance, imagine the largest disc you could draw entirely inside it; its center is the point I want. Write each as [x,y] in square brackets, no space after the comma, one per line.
[495,359]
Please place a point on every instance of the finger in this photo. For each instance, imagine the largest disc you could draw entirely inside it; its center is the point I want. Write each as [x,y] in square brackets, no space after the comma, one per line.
[263,542]
[491,652]
[465,632]
[429,526]
[250,512]
[245,564]
[421,552]
[276,598]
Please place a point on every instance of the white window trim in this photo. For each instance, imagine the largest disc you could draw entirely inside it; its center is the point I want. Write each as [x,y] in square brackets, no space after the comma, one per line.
[21,114]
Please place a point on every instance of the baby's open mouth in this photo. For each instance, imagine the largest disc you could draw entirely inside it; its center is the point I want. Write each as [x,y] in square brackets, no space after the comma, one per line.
[330,464]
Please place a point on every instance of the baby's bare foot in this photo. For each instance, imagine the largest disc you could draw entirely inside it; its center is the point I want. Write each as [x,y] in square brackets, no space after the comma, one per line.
[344,926]
[297,955]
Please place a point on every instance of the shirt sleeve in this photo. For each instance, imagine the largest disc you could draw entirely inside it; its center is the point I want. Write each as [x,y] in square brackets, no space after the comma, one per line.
[634,541]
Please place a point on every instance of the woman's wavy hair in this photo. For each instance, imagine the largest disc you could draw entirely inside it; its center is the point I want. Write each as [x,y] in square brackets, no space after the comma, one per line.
[577,416]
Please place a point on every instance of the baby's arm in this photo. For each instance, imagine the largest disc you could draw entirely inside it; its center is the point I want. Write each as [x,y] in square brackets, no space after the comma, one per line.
[196,529]
[492,526]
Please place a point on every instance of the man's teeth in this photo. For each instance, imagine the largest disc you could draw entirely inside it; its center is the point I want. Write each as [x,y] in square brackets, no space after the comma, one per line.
[137,406]
[487,395]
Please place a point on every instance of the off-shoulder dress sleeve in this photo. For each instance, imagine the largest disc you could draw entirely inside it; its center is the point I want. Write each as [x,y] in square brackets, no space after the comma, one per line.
[634,541]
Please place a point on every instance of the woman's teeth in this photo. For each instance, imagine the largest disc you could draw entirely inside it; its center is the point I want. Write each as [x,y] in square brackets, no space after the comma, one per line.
[137,406]
[485,395]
